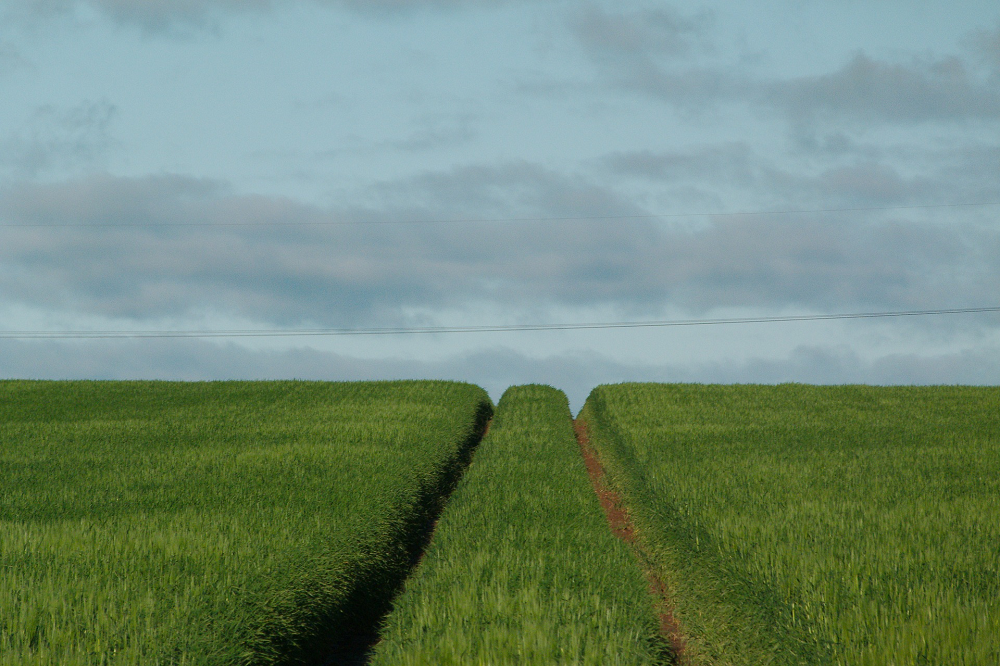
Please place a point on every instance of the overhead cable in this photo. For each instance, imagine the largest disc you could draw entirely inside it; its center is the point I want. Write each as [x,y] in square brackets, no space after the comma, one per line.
[503,328]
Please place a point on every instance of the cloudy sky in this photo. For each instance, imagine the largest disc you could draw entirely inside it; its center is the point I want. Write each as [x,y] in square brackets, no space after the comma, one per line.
[207,165]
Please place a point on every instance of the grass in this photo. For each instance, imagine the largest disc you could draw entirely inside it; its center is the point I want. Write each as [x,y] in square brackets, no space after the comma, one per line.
[523,568]
[214,523]
[816,525]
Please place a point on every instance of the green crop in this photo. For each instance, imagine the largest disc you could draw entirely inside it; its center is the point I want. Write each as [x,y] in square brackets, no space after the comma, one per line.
[816,525]
[523,568]
[214,523]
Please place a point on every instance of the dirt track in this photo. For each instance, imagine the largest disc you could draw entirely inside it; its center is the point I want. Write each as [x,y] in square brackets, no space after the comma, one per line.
[621,525]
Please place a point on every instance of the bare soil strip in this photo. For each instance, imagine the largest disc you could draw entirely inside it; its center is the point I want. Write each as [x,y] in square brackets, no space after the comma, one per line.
[621,526]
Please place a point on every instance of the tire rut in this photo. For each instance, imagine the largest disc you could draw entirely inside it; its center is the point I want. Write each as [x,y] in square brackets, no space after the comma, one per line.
[357,648]
[620,522]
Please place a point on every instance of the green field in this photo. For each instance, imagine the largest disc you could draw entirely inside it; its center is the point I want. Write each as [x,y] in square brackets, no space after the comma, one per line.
[816,525]
[274,522]
[214,523]
[522,568]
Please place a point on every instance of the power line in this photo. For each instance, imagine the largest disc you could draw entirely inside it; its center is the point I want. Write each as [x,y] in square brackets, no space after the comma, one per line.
[327,332]
[494,220]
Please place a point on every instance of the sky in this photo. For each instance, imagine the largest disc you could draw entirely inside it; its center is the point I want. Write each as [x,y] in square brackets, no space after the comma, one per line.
[220,165]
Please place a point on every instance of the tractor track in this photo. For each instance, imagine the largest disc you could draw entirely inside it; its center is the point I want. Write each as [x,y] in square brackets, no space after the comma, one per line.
[620,522]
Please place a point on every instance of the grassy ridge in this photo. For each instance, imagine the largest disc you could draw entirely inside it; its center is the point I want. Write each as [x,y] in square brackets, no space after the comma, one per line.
[522,568]
[213,523]
[806,525]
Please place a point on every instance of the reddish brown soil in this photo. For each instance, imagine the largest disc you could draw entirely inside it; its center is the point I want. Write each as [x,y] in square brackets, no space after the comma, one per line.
[622,527]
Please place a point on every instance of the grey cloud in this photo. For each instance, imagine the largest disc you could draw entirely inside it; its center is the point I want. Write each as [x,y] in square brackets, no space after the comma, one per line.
[492,368]
[195,360]
[507,190]
[842,365]
[155,16]
[903,175]
[181,16]
[150,16]
[105,199]
[731,162]
[977,366]
[59,138]
[639,54]
[643,33]
[350,269]
[834,144]
[986,45]
[392,7]
[846,182]
[974,167]
[651,52]
[868,183]
[433,132]
[823,264]
[869,90]
[11,59]
[437,132]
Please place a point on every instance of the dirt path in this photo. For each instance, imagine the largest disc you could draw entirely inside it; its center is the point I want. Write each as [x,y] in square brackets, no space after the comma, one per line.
[622,527]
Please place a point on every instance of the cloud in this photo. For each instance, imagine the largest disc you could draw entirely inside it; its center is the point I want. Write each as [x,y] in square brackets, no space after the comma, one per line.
[508,189]
[869,90]
[329,272]
[843,182]
[183,16]
[11,59]
[150,16]
[842,365]
[344,267]
[732,162]
[392,7]
[974,167]
[647,52]
[437,132]
[654,52]
[59,138]
[640,34]
[154,16]
[196,360]
[985,45]
[494,369]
